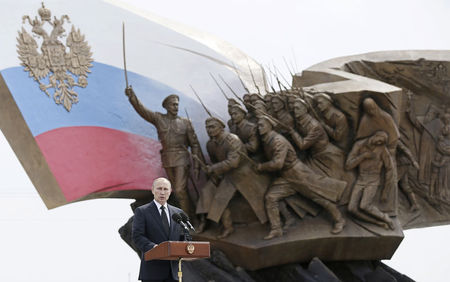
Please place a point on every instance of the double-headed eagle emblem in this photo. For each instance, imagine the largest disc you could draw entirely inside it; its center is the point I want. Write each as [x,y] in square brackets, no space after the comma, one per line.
[65,69]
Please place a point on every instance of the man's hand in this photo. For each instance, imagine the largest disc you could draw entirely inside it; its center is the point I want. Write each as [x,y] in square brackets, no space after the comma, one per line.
[259,168]
[209,170]
[129,91]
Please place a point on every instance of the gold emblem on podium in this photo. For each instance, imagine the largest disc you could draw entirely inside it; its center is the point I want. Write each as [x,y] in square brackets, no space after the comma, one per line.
[65,69]
[190,249]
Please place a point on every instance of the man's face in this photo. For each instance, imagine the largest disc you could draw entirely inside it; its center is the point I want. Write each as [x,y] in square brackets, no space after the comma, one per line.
[299,109]
[213,129]
[264,126]
[277,104]
[172,107]
[323,104]
[253,99]
[237,116]
[161,193]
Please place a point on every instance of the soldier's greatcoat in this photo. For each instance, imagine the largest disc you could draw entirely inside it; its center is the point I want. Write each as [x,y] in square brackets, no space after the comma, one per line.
[237,175]
[283,158]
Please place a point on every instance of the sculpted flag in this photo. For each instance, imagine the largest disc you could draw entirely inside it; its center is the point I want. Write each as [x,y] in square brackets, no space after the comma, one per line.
[63,108]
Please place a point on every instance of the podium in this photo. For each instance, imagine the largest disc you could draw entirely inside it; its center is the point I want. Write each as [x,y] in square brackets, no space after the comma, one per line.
[175,250]
[179,250]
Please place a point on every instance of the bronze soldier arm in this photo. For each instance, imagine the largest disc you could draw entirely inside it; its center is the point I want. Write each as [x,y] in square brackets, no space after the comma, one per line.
[278,159]
[231,162]
[354,157]
[337,133]
[305,142]
[145,113]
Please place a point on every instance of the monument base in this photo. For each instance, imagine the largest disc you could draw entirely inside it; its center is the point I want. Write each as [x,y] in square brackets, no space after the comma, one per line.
[308,238]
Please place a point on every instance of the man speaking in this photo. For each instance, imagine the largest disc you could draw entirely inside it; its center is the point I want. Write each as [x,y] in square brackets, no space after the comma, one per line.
[152,225]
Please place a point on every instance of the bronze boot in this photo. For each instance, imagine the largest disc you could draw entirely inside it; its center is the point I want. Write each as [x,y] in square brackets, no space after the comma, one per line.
[274,233]
[227,224]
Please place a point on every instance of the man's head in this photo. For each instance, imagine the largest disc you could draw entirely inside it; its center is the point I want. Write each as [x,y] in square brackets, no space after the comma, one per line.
[247,101]
[255,97]
[378,138]
[278,103]
[161,190]
[300,108]
[268,98]
[370,107]
[170,103]
[214,127]
[231,103]
[237,114]
[260,108]
[265,124]
[323,101]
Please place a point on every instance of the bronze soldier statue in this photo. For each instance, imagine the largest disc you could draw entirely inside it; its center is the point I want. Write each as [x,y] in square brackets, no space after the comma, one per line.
[333,120]
[226,153]
[245,130]
[281,113]
[324,157]
[175,134]
[294,177]
[230,123]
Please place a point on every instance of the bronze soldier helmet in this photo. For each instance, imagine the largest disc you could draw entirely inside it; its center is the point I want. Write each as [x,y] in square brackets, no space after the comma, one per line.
[214,119]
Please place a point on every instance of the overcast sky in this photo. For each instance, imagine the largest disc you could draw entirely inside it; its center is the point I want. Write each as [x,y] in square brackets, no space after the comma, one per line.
[79,242]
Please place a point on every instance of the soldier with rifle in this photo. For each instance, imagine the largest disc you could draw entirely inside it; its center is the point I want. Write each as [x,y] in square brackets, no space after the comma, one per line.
[236,175]
[294,177]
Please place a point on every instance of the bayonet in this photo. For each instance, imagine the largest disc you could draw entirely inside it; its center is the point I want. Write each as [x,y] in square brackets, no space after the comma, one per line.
[263,73]
[287,66]
[218,85]
[201,102]
[253,78]
[231,89]
[243,85]
[282,76]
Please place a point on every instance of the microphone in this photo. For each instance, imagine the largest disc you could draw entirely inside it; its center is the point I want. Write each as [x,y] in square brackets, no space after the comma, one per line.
[177,218]
[185,219]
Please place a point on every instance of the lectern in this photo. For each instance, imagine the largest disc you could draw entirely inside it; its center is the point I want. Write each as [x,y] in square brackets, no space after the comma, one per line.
[179,250]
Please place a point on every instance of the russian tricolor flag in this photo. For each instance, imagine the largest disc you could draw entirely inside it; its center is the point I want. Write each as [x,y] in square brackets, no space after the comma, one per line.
[102,147]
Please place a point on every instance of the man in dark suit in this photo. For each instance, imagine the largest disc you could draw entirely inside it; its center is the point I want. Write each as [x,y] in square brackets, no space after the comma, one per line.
[153,225]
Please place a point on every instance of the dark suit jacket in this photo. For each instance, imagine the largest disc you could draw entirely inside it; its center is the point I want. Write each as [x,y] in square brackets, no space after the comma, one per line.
[147,232]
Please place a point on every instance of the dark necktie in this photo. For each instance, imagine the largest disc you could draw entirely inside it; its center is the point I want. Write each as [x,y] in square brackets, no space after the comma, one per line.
[165,222]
